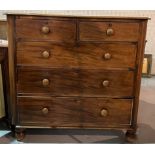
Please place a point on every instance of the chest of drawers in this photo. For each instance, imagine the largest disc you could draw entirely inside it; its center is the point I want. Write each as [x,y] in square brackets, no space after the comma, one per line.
[75,72]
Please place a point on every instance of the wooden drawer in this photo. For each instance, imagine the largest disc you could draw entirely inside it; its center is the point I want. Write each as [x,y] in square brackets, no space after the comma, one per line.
[86,55]
[75,82]
[59,112]
[109,31]
[54,30]
[74,112]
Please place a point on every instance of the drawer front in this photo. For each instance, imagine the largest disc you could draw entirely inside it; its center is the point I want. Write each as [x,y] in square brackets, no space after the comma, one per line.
[75,82]
[74,112]
[109,31]
[86,55]
[45,111]
[54,30]
[106,112]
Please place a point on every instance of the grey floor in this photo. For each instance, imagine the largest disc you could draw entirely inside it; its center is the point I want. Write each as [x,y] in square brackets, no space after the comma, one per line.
[145,133]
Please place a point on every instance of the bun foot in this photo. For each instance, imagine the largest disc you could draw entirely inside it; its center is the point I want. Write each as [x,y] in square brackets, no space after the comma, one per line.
[19,134]
[131,136]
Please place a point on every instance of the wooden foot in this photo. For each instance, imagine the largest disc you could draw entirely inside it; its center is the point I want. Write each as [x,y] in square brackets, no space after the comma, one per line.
[131,136]
[19,134]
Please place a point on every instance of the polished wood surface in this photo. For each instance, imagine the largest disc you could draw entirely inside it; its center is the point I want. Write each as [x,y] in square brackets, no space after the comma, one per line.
[75,82]
[83,55]
[138,75]
[57,30]
[11,66]
[65,111]
[109,31]
[75,72]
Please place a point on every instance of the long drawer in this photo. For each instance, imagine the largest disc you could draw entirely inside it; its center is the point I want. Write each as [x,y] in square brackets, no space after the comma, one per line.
[48,29]
[75,82]
[108,31]
[74,112]
[85,55]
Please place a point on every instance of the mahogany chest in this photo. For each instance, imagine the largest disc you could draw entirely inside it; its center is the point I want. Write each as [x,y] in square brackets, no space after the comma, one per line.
[75,72]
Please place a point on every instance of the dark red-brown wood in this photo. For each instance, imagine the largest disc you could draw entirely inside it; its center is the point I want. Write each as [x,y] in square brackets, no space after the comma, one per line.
[84,55]
[75,82]
[74,112]
[31,29]
[97,31]
[75,68]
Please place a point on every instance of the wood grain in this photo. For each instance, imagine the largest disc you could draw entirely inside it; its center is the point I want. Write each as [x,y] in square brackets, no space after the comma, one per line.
[83,55]
[79,112]
[59,30]
[138,74]
[96,31]
[75,82]
[12,68]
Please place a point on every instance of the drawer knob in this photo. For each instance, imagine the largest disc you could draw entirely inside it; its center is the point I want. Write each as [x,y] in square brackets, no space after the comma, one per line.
[105,83]
[107,56]
[45,54]
[45,111]
[110,32]
[45,29]
[104,112]
[45,82]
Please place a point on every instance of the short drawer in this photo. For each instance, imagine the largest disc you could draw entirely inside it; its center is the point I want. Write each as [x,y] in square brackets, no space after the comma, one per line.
[108,31]
[48,111]
[51,29]
[75,82]
[85,55]
[74,112]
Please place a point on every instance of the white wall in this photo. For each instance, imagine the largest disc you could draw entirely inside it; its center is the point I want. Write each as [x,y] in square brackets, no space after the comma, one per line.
[150,46]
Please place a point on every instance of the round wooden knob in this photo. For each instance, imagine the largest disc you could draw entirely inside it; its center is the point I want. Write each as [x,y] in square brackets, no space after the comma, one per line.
[45,82]
[45,29]
[110,32]
[45,54]
[104,112]
[107,56]
[45,111]
[105,83]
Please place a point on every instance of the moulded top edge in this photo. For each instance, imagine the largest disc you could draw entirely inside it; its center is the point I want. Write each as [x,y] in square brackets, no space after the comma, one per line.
[79,16]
